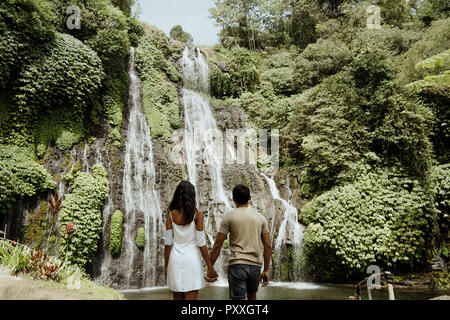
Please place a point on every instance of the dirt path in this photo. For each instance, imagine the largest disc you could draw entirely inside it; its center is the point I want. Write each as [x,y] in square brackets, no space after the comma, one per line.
[25,288]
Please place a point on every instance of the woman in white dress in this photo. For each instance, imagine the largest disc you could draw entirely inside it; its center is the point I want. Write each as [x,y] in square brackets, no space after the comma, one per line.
[185,244]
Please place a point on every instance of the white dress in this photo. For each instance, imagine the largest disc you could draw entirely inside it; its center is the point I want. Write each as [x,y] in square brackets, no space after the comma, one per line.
[185,270]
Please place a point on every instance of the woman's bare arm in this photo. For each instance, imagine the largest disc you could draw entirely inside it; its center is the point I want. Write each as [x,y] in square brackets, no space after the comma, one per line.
[167,249]
[199,224]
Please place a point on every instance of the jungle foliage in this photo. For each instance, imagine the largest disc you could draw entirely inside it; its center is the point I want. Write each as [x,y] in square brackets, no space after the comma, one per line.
[363,115]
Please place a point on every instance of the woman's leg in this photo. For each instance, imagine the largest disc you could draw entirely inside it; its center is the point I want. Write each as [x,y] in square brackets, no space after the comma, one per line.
[191,295]
[178,295]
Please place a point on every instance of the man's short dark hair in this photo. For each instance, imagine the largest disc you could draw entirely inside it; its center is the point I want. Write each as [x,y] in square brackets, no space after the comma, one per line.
[241,194]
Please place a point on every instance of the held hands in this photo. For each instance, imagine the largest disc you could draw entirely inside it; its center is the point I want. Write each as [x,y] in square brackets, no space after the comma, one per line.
[265,278]
[212,275]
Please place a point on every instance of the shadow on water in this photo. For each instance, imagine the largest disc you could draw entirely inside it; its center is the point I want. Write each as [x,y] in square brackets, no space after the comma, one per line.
[287,291]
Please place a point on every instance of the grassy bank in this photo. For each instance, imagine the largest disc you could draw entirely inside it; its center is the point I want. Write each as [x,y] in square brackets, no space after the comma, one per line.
[27,274]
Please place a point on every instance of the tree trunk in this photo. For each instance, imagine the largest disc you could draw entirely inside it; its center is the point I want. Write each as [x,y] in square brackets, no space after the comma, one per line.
[246,26]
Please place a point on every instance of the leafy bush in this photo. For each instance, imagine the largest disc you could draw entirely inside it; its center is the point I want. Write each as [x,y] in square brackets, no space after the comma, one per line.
[267,110]
[435,40]
[97,15]
[432,10]
[140,238]
[108,32]
[115,243]
[20,175]
[70,70]
[440,178]
[220,82]
[282,80]
[59,127]
[234,73]
[320,60]
[383,218]
[15,257]
[66,68]
[25,25]
[135,31]
[355,114]
[82,208]
[43,266]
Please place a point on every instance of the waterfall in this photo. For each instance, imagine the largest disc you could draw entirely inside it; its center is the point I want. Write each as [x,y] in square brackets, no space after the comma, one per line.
[140,195]
[107,214]
[290,231]
[203,152]
[85,162]
[67,171]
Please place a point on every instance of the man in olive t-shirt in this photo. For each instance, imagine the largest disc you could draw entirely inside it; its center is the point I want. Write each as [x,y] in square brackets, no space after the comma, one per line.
[249,243]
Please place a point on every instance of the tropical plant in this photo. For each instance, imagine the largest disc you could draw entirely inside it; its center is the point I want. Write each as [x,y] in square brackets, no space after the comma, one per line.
[115,243]
[81,216]
[140,238]
[43,266]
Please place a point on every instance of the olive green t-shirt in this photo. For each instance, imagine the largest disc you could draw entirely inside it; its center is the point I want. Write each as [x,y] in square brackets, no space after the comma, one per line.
[245,226]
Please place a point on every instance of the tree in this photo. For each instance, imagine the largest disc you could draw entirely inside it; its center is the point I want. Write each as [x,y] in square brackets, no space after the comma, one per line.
[124,5]
[330,7]
[177,33]
[240,20]
[302,22]
[432,10]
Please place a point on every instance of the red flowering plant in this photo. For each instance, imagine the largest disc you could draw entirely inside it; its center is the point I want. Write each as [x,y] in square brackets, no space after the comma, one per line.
[69,229]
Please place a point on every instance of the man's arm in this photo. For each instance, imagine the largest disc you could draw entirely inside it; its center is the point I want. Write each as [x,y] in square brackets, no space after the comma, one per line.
[221,237]
[265,237]
[212,274]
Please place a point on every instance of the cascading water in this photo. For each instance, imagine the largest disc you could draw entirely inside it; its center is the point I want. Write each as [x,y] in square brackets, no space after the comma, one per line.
[203,151]
[67,171]
[290,231]
[85,162]
[140,195]
[107,213]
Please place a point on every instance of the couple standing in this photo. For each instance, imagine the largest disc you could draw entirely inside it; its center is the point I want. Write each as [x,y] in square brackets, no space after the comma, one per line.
[185,243]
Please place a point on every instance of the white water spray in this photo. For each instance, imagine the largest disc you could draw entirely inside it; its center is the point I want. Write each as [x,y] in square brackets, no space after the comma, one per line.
[290,230]
[139,190]
[203,151]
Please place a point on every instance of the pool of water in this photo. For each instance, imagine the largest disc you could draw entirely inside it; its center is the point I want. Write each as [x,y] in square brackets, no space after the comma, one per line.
[287,291]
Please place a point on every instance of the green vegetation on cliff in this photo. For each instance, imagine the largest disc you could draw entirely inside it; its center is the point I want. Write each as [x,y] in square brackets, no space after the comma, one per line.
[115,242]
[81,217]
[140,238]
[363,115]
[20,175]
[382,218]
[57,83]
[160,95]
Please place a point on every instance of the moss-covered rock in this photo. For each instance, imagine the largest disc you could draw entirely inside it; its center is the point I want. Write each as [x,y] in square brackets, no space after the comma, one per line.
[21,175]
[115,243]
[82,209]
[140,238]
[383,218]
[160,95]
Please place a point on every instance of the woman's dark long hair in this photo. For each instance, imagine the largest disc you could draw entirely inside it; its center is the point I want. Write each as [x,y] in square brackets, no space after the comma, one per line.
[184,201]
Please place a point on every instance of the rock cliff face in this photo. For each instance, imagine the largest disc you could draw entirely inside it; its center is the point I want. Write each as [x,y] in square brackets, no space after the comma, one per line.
[99,150]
